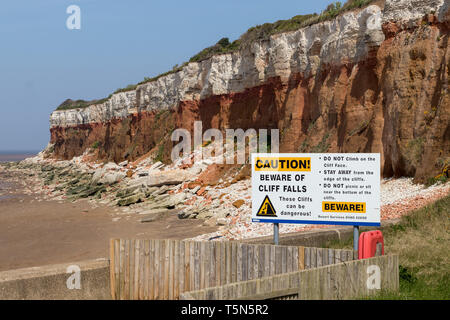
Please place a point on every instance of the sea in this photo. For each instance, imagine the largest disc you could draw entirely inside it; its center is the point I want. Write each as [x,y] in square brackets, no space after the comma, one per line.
[8,156]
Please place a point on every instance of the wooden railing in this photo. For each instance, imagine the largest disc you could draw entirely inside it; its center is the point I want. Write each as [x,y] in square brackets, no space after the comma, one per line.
[164,269]
[346,280]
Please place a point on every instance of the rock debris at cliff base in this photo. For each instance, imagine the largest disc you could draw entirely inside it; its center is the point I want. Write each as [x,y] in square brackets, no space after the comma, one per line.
[219,195]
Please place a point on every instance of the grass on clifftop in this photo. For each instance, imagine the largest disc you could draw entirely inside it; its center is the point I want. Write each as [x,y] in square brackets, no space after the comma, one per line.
[79,104]
[257,33]
[421,240]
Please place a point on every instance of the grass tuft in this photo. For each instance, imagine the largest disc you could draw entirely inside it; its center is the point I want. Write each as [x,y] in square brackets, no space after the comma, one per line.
[421,240]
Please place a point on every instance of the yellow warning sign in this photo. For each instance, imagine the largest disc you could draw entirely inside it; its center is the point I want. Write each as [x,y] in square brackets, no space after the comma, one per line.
[353,207]
[282,164]
[266,209]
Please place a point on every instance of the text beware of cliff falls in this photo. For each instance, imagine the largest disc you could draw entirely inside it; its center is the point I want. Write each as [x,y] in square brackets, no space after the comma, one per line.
[316,188]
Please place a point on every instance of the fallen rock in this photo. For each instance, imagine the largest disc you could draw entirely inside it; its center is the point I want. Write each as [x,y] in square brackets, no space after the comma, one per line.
[160,190]
[201,191]
[153,216]
[172,177]
[111,166]
[175,200]
[222,222]
[194,191]
[211,222]
[90,191]
[204,214]
[111,177]
[131,199]
[152,212]
[124,193]
[184,215]
[123,163]
[221,213]
[157,165]
[238,203]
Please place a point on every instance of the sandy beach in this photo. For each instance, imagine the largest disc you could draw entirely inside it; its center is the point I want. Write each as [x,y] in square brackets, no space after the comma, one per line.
[37,232]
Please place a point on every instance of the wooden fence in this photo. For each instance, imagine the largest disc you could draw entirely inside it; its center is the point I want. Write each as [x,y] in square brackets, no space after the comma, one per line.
[347,280]
[163,269]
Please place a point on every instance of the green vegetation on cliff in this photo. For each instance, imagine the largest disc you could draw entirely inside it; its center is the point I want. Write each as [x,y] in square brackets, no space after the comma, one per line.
[80,104]
[257,33]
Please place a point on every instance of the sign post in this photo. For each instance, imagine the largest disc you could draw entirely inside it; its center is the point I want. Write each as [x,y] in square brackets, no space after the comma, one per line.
[276,233]
[329,188]
[355,238]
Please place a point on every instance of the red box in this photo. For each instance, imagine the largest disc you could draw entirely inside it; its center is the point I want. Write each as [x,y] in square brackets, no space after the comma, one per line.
[368,242]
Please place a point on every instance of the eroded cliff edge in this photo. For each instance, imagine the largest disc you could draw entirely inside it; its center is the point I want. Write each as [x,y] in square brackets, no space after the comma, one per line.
[372,80]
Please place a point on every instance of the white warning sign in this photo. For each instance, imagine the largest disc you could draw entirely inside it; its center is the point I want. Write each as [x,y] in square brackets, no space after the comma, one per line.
[328,188]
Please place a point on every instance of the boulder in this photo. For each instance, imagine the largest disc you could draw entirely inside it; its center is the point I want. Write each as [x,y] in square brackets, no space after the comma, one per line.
[152,212]
[238,203]
[123,163]
[174,200]
[211,222]
[160,190]
[165,178]
[111,177]
[143,174]
[127,192]
[184,215]
[111,166]
[222,222]
[157,165]
[90,191]
[204,214]
[98,174]
[131,199]
[168,201]
[152,215]
[194,191]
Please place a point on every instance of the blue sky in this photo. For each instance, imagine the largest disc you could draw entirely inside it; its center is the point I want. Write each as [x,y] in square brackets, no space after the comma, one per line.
[42,63]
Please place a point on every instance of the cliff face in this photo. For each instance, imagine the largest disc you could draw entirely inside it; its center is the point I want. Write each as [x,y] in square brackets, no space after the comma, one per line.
[373,80]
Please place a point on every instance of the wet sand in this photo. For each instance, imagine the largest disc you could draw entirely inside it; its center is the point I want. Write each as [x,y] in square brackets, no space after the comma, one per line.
[34,233]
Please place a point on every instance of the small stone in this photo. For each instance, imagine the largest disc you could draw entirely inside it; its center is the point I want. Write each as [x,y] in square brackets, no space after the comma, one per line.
[152,215]
[222,222]
[123,163]
[238,203]
[211,222]
[143,174]
[194,191]
[192,185]
[131,200]
[201,191]
[157,165]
